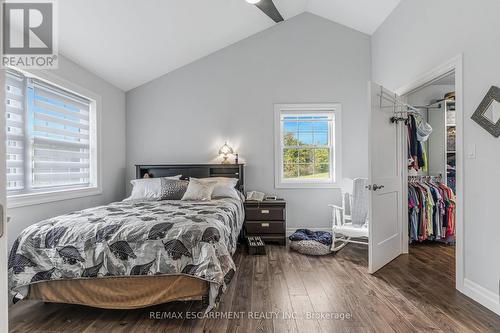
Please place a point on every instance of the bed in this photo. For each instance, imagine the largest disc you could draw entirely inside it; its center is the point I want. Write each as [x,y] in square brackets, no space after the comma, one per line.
[133,254]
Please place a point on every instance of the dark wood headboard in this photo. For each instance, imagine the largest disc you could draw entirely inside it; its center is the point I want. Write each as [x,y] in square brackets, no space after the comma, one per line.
[193,170]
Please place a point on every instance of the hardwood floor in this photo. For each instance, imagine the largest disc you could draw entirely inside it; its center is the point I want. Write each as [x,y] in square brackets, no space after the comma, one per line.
[414,293]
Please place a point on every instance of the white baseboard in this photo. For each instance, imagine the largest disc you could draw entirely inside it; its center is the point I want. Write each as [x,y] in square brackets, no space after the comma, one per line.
[290,231]
[482,295]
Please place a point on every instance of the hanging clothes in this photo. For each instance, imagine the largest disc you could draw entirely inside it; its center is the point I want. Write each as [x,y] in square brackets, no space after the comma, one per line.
[418,132]
[414,148]
[424,158]
[431,212]
[424,130]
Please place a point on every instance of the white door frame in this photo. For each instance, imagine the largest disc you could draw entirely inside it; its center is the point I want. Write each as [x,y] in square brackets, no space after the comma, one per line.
[453,65]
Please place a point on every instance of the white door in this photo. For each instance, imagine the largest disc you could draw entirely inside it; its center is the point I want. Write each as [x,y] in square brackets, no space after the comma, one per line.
[3,222]
[384,177]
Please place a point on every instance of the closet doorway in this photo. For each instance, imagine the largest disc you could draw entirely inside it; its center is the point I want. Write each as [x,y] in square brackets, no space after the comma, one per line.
[433,177]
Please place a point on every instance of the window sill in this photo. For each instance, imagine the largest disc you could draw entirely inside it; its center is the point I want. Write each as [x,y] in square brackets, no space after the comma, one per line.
[30,199]
[307,185]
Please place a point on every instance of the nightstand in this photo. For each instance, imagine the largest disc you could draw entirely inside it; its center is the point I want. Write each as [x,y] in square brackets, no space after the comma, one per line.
[266,219]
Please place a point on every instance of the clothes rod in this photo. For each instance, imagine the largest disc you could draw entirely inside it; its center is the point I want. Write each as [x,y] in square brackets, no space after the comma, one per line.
[430,106]
[415,178]
[427,107]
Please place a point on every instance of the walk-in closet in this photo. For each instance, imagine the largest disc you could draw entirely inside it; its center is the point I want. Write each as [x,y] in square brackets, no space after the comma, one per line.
[431,138]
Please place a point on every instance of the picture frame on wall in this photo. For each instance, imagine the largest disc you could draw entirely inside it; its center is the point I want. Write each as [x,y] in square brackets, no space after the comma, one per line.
[487,114]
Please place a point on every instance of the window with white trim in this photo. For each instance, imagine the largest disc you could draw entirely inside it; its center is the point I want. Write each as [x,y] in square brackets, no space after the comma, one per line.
[307,145]
[51,137]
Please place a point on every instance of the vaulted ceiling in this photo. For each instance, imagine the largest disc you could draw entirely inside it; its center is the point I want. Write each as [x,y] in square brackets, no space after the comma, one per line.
[130,42]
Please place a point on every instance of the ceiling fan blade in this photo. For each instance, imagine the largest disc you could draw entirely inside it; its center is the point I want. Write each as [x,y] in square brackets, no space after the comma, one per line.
[268,7]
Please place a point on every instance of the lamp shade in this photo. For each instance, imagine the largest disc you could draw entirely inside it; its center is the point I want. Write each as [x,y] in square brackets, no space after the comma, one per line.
[225,149]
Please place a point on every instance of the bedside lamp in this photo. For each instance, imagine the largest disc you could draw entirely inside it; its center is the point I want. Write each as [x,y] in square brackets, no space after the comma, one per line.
[225,150]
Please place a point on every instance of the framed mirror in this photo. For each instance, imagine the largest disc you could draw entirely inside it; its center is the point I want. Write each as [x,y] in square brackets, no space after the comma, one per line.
[487,114]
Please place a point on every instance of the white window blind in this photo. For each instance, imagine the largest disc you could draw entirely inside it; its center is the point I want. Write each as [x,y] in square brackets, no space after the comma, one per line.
[61,138]
[49,140]
[15,113]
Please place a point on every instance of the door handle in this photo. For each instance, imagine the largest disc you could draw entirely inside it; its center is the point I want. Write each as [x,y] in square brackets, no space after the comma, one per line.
[374,187]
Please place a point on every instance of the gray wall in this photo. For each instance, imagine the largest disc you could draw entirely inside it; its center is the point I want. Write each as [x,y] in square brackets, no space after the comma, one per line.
[420,35]
[113,152]
[185,116]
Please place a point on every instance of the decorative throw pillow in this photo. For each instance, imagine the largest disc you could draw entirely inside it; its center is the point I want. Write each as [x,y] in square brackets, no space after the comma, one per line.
[147,188]
[173,189]
[199,190]
[224,187]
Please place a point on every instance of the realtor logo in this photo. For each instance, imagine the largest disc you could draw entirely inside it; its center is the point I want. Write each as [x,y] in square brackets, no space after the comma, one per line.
[28,39]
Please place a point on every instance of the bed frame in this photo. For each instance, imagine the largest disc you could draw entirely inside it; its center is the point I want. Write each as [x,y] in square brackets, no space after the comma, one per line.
[140,292]
[193,170]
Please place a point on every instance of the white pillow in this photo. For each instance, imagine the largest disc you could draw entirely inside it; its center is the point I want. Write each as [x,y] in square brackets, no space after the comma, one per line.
[147,188]
[199,190]
[224,187]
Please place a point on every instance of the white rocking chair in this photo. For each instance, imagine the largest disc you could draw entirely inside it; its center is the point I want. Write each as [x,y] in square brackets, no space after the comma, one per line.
[350,222]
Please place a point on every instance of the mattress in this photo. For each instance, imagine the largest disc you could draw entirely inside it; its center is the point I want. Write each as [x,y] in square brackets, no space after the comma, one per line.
[131,239]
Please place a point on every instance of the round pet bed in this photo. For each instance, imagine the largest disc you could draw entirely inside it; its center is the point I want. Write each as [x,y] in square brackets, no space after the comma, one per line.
[310,247]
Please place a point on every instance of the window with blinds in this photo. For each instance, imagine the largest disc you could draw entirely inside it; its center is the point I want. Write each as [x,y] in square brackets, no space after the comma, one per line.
[48,137]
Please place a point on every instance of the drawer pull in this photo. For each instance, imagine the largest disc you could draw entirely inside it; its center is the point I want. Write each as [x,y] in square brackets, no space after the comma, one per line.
[264,211]
[264,225]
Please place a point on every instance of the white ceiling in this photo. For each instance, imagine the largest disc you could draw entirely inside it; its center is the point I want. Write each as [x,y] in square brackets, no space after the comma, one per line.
[363,15]
[130,42]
